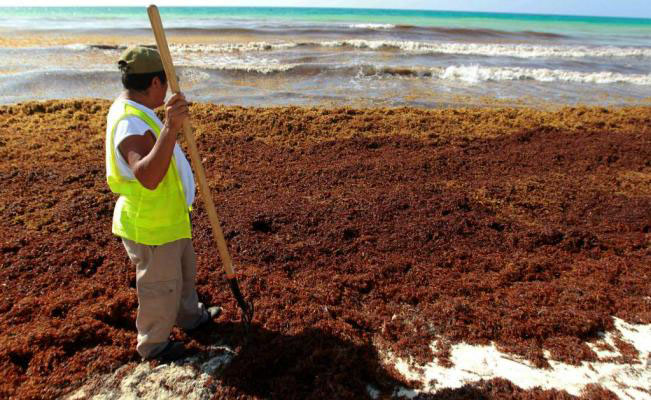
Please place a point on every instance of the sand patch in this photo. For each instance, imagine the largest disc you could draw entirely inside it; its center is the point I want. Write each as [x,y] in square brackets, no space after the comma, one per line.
[187,379]
[474,363]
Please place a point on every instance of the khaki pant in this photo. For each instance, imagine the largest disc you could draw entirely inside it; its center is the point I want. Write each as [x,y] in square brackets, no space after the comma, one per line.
[165,282]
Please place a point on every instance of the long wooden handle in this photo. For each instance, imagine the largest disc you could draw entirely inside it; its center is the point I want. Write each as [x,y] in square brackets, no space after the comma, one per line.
[163,49]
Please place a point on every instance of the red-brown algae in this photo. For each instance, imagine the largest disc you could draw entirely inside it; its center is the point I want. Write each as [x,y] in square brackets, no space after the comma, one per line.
[353,230]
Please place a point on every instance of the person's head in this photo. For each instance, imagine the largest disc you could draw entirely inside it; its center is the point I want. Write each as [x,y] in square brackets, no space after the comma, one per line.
[143,73]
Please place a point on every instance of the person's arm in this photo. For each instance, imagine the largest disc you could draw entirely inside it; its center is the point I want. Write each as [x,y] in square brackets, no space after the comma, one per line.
[149,158]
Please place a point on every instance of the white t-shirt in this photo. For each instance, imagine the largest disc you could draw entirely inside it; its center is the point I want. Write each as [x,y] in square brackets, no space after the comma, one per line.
[135,126]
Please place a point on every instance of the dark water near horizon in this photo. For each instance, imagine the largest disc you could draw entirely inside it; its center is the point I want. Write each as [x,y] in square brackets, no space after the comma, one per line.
[270,56]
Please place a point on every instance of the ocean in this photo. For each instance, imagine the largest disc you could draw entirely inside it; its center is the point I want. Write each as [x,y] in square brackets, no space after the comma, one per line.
[319,56]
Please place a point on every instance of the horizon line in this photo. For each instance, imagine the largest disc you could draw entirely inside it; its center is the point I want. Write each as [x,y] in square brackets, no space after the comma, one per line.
[340,8]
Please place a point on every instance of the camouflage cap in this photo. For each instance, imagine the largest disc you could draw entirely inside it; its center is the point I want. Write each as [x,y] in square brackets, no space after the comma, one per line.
[140,60]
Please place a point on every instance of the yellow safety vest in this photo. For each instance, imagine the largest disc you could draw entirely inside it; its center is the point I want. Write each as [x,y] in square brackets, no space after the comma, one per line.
[152,217]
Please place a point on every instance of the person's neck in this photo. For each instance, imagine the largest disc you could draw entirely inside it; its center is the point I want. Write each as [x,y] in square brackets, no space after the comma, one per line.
[140,98]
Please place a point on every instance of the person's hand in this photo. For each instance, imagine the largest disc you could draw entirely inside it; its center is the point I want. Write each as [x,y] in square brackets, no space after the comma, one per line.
[176,111]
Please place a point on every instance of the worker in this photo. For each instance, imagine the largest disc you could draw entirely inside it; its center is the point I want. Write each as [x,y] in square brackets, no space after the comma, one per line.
[150,172]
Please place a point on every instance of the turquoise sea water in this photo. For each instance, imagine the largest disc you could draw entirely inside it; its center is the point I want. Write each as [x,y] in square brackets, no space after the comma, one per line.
[424,17]
[262,55]
[598,27]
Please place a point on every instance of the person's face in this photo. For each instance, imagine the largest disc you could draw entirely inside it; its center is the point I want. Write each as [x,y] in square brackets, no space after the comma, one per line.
[159,91]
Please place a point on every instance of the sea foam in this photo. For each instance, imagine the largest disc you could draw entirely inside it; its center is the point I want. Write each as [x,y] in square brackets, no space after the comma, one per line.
[372,26]
[477,74]
[491,49]
[416,47]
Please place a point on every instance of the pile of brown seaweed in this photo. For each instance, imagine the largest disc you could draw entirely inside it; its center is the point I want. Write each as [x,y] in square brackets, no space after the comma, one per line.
[355,231]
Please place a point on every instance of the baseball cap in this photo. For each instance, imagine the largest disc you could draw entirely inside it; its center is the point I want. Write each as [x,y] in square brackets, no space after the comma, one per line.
[140,60]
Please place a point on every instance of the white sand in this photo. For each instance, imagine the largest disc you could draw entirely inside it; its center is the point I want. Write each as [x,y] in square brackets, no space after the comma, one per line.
[473,363]
[182,380]
[188,378]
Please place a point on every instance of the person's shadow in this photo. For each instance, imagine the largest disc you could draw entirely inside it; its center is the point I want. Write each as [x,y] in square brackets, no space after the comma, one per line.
[313,364]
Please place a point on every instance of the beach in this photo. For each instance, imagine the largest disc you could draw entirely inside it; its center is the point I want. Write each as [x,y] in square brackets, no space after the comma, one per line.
[372,241]
[421,204]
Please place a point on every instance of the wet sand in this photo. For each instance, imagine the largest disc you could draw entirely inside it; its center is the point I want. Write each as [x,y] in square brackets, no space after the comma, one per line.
[356,231]
[45,38]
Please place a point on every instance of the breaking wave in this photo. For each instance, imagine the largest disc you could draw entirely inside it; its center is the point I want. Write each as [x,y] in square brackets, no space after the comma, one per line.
[425,48]
[407,47]
[471,74]
[491,49]
[478,74]
[372,26]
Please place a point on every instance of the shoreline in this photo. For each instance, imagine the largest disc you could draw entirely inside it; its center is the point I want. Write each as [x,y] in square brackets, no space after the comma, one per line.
[13,39]
[453,123]
[311,69]
[456,102]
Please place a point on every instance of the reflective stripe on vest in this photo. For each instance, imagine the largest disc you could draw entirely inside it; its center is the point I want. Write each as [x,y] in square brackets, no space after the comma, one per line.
[152,217]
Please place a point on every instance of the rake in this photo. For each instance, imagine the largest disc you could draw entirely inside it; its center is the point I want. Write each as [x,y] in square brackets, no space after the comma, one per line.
[245,306]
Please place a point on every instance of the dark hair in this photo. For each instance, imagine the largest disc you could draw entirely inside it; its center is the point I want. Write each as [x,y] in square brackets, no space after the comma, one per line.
[141,82]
